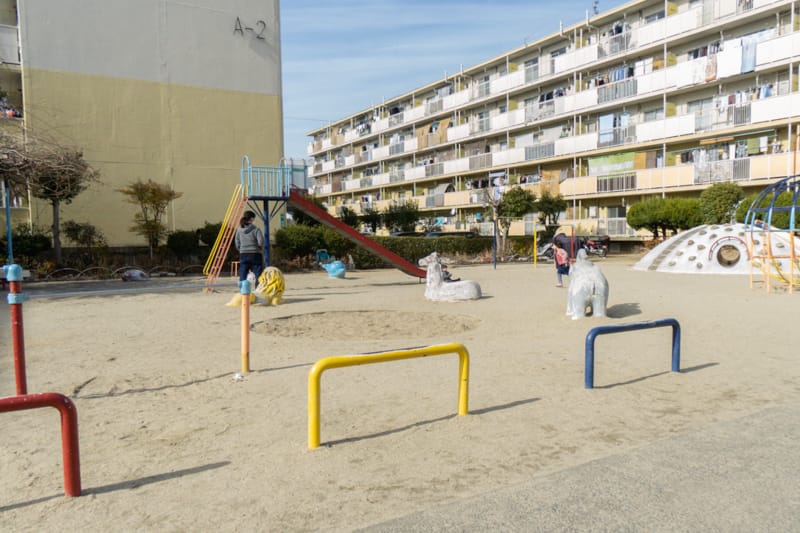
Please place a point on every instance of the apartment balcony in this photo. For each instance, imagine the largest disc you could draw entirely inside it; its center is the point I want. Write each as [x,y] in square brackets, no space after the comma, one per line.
[617,44]
[457,133]
[750,112]
[665,128]
[434,169]
[616,137]
[577,58]
[616,91]
[322,189]
[481,125]
[477,162]
[9,45]
[669,26]
[433,107]
[506,83]
[757,169]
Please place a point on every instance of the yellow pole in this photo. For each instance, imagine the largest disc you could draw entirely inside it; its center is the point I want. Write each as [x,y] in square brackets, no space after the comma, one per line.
[315,377]
[245,292]
[535,247]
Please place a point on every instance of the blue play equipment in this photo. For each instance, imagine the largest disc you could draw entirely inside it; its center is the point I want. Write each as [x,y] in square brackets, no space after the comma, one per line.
[335,269]
[605,330]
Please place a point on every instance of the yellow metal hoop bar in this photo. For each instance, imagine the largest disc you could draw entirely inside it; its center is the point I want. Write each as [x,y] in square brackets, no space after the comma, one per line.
[339,361]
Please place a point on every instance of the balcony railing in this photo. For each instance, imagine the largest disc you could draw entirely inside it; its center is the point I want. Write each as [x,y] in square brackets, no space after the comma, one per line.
[434,169]
[615,227]
[396,148]
[616,44]
[617,90]
[722,171]
[483,89]
[617,182]
[434,106]
[540,151]
[540,110]
[477,162]
[616,137]
[480,125]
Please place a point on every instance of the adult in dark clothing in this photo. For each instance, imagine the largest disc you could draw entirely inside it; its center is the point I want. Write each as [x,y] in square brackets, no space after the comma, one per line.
[565,242]
[249,241]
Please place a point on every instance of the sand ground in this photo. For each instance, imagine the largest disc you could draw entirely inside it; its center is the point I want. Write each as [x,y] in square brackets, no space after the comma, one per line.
[170,442]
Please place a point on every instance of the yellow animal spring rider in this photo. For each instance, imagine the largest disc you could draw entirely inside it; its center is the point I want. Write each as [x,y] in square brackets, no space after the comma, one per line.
[270,288]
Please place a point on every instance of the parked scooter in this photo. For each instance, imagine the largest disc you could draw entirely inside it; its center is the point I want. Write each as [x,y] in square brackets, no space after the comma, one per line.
[597,245]
[545,252]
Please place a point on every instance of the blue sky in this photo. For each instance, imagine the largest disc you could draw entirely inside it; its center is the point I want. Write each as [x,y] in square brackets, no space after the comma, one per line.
[340,57]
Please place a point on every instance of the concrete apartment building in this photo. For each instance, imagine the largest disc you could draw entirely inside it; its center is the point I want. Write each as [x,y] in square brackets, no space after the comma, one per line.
[652,98]
[168,90]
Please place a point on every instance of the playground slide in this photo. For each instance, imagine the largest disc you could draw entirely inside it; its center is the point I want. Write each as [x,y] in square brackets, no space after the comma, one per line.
[299,200]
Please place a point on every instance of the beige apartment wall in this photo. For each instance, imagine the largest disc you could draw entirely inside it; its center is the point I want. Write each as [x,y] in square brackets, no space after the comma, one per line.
[192,138]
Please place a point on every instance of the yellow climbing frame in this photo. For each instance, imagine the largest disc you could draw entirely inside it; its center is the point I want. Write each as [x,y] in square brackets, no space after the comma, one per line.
[339,361]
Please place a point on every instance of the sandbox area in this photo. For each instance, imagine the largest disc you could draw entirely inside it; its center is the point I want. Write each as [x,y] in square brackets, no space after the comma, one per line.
[170,442]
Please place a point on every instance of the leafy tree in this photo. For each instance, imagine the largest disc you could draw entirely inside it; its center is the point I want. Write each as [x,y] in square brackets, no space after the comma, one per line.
[372,218]
[336,245]
[83,234]
[152,199]
[719,202]
[683,213]
[550,208]
[648,214]
[300,217]
[349,217]
[299,240]
[780,219]
[184,243]
[515,203]
[401,217]
[209,232]
[29,242]
[59,174]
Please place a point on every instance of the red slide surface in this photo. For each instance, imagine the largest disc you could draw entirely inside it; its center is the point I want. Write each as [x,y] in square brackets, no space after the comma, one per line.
[299,200]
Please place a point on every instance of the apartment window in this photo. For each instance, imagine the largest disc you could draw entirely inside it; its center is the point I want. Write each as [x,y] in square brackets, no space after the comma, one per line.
[653,115]
[531,70]
[622,182]
[654,17]
[616,211]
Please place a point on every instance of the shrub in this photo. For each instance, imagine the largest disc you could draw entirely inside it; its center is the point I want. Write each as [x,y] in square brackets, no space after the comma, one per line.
[183,244]
[299,240]
[29,242]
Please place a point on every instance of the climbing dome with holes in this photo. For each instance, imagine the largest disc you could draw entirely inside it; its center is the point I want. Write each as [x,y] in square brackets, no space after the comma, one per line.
[706,249]
[772,230]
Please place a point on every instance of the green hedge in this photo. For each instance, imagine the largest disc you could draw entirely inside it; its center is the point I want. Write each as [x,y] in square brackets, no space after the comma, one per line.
[296,246]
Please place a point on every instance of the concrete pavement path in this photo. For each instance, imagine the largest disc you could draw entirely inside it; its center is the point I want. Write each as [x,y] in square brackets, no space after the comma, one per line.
[730,476]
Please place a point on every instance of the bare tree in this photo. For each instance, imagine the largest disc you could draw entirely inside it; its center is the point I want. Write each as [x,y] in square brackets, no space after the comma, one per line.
[59,174]
[51,172]
[15,164]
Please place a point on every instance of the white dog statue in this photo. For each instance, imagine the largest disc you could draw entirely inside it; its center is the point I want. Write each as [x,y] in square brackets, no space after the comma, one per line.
[439,290]
[588,287]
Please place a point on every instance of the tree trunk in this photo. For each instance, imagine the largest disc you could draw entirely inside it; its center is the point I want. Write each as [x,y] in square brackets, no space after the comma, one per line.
[56,230]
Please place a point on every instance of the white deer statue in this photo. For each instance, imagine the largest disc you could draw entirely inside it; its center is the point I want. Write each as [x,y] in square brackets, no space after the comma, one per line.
[588,287]
[439,290]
